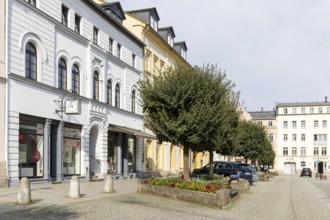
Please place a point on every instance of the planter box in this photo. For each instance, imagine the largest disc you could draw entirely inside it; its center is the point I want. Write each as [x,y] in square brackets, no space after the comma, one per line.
[243,186]
[222,198]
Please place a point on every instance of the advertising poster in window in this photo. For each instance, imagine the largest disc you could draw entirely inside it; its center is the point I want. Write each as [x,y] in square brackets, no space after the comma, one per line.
[22,153]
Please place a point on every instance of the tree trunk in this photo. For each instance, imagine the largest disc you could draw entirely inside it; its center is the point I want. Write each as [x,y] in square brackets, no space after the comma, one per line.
[211,162]
[186,169]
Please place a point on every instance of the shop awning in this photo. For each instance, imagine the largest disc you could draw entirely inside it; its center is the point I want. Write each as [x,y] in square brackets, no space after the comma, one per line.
[131,131]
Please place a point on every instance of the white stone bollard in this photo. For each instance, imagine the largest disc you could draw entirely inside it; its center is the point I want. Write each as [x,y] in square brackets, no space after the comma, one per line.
[24,192]
[108,186]
[74,187]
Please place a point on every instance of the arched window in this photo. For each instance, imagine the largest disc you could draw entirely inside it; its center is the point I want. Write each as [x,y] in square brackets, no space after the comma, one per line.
[62,74]
[30,61]
[75,79]
[133,101]
[96,86]
[109,92]
[117,98]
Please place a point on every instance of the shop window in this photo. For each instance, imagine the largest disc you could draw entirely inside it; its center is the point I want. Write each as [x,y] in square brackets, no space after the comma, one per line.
[71,151]
[112,157]
[31,149]
[131,155]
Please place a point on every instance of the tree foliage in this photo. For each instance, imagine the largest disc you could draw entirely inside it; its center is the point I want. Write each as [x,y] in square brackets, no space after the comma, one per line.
[189,106]
[252,142]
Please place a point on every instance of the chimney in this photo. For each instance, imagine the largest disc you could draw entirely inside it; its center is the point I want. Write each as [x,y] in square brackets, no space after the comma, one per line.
[326,99]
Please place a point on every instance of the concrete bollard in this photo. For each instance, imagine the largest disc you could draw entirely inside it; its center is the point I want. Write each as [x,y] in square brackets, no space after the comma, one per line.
[74,187]
[108,186]
[24,192]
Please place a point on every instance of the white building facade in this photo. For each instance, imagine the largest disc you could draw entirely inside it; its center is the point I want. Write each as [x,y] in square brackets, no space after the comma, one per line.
[71,92]
[302,136]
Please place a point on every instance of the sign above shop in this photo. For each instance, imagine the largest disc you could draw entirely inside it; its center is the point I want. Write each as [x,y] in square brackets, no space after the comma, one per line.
[72,106]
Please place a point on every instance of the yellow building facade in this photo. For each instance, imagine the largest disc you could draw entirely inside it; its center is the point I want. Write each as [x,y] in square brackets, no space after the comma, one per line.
[160,52]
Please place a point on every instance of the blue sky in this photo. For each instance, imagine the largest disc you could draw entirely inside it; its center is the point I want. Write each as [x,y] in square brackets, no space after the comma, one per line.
[273,50]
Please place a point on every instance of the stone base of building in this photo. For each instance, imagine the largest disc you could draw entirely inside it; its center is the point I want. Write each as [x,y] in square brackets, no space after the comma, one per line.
[3,175]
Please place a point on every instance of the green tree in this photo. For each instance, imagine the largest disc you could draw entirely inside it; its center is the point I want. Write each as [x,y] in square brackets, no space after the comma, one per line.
[251,140]
[186,106]
[268,155]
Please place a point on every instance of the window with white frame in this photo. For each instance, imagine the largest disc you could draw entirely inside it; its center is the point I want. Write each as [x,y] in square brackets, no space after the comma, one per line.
[30,61]
[95,35]
[303,124]
[270,123]
[154,23]
[303,137]
[320,109]
[294,111]
[294,151]
[285,110]
[133,60]
[294,124]
[285,151]
[109,92]
[285,124]
[294,137]
[285,137]
[75,79]
[62,74]
[328,109]
[324,151]
[320,138]
[324,123]
[311,110]
[32,2]
[316,124]
[303,151]
[133,101]
[271,137]
[77,21]
[119,51]
[64,18]
[117,95]
[302,110]
[96,86]
[110,45]
[316,151]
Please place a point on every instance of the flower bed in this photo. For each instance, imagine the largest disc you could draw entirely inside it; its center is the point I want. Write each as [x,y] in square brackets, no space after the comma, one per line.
[214,192]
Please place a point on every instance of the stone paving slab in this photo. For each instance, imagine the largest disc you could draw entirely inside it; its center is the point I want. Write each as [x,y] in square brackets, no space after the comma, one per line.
[45,195]
[283,197]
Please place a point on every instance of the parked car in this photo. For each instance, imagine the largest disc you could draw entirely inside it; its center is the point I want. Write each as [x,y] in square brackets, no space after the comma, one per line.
[230,169]
[264,169]
[306,172]
[250,169]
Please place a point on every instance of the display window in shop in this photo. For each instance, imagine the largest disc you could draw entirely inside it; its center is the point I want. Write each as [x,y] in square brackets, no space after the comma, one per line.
[31,149]
[71,151]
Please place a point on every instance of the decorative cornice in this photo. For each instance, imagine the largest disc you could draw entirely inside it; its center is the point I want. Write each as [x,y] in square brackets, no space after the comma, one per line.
[113,58]
[43,86]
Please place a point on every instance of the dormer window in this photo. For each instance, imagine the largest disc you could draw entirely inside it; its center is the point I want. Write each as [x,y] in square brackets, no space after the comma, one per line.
[170,40]
[153,23]
[183,53]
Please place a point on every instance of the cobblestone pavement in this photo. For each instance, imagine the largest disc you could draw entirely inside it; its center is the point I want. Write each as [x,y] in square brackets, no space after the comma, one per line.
[283,197]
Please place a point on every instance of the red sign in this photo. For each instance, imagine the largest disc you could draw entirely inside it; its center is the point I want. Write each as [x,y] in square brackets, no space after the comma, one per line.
[36,156]
[21,137]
